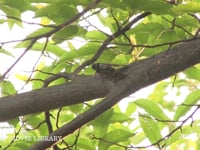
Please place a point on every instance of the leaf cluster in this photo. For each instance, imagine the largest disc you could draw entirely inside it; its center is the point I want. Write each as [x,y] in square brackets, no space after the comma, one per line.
[67,37]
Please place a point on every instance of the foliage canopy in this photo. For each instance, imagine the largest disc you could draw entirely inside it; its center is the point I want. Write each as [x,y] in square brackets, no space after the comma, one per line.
[69,36]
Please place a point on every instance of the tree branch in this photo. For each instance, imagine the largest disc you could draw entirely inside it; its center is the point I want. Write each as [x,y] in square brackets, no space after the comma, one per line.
[83,89]
[138,75]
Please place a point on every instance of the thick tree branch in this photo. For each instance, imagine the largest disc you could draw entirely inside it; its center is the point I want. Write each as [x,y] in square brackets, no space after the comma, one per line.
[138,75]
[84,89]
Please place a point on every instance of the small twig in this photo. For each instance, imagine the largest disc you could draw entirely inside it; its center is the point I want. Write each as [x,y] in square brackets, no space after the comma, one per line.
[107,141]
[49,126]
[37,61]
[58,116]
[93,13]
[42,122]
[160,120]
[31,23]
[96,28]
[19,58]
[195,16]
[54,77]
[178,26]
[115,19]
[76,139]
[157,45]
[57,76]
[14,139]
[191,105]
[120,26]
[140,45]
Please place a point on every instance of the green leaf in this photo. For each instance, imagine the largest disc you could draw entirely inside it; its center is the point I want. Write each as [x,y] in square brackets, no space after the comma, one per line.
[58,11]
[58,81]
[116,3]
[40,32]
[21,145]
[131,108]
[120,14]
[97,35]
[187,22]
[119,117]
[150,33]
[87,49]
[108,22]
[36,34]
[34,121]
[65,116]
[151,108]
[70,45]
[42,76]
[23,44]
[76,108]
[84,143]
[10,11]
[7,88]
[159,92]
[101,123]
[191,99]
[185,131]
[2,21]
[52,48]
[168,36]
[121,59]
[193,72]
[65,33]
[138,137]
[150,128]
[21,5]
[191,7]
[107,57]
[115,136]
[3,51]
[154,6]
[14,122]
